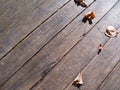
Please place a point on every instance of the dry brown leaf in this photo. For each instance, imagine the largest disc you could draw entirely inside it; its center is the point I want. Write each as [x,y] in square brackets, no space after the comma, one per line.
[78,80]
[111,32]
[80,2]
[90,15]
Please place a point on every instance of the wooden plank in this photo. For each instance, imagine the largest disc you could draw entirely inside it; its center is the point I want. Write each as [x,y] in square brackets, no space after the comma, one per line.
[14,11]
[17,10]
[113,80]
[72,63]
[18,31]
[24,51]
[14,6]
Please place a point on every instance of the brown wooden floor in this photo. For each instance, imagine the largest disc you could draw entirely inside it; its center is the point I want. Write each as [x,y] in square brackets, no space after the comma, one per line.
[42,46]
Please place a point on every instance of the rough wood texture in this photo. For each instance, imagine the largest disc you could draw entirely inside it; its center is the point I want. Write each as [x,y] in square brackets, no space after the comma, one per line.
[14,11]
[99,68]
[103,64]
[27,22]
[24,51]
[113,80]
[44,45]
[77,59]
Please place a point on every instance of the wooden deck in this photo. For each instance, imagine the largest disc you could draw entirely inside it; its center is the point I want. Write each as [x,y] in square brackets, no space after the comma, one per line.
[42,46]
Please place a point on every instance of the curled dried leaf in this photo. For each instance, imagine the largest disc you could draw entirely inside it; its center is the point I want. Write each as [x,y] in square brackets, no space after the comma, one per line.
[78,81]
[111,32]
[89,17]
[80,2]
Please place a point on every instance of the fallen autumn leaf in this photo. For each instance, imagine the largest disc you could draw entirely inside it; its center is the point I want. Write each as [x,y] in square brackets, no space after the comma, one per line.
[80,2]
[78,80]
[111,32]
[89,17]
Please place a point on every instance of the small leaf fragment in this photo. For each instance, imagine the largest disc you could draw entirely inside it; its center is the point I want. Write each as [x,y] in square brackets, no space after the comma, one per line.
[78,81]
[80,2]
[89,17]
[111,32]
[100,48]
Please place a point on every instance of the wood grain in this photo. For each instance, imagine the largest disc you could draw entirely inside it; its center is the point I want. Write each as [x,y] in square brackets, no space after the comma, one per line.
[51,56]
[23,52]
[112,82]
[100,67]
[14,11]
[67,69]
[28,19]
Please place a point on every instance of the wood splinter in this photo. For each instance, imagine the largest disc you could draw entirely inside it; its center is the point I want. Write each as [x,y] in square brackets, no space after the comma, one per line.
[78,81]
[100,48]
[89,17]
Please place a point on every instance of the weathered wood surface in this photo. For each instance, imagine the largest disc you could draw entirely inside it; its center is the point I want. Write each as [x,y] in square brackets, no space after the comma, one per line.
[77,59]
[98,69]
[26,49]
[29,18]
[113,80]
[12,12]
[48,49]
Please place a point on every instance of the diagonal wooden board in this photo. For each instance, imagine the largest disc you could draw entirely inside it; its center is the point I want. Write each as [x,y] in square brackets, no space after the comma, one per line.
[79,57]
[24,51]
[25,21]
[112,82]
